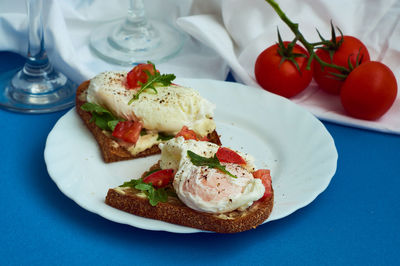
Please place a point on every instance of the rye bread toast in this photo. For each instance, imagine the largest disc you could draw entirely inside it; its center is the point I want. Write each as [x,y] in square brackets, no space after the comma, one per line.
[111,150]
[174,211]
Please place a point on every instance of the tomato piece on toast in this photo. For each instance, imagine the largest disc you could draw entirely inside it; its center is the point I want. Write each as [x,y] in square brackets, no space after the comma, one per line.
[128,131]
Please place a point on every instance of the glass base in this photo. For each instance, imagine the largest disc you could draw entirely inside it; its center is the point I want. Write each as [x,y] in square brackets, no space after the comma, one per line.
[37,94]
[157,42]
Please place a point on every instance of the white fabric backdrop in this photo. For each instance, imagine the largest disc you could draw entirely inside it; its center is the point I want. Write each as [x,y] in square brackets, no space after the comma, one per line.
[70,22]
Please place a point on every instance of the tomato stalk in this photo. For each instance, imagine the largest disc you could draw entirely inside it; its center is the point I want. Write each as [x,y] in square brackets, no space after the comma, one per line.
[294,27]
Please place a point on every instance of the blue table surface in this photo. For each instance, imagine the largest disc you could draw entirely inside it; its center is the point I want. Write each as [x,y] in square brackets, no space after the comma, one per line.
[356,220]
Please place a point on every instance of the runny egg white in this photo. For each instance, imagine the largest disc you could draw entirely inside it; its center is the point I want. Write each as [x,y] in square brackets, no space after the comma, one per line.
[207,189]
[167,111]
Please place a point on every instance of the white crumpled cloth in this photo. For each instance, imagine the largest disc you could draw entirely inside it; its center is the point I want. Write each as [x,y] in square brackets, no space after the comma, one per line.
[68,24]
[222,35]
[243,29]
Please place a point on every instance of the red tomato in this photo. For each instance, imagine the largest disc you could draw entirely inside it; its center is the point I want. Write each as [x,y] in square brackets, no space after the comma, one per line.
[137,75]
[369,91]
[350,47]
[226,155]
[282,78]
[187,133]
[128,131]
[160,178]
[265,176]
[204,139]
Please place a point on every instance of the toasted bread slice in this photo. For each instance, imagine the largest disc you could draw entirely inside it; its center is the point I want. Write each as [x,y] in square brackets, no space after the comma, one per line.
[111,150]
[174,211]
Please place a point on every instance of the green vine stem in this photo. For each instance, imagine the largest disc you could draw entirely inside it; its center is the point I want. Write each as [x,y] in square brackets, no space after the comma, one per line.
[294,27]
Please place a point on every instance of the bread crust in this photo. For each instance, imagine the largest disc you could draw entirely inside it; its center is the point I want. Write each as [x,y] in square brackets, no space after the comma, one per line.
[176,212]
[111,151]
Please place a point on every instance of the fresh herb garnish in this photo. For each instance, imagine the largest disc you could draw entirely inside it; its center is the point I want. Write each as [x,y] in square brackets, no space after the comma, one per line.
[163,136]
[112,124]
[154,195]
[103,118]
[212,162]
[152,171]
[143,132]
[153,80]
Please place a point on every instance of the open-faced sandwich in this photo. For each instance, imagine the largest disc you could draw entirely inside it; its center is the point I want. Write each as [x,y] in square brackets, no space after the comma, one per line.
[201,185]
[130,113]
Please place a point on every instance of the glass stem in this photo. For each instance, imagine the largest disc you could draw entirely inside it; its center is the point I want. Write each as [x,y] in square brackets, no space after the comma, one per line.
[37,63]
[136,15]
[136,12]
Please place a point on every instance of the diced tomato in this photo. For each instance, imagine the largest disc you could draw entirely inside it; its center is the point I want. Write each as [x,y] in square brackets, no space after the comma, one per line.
[187,133]
[137,75]
[160,178]
[265,176]
[226,155]
[128,131]
[204,139]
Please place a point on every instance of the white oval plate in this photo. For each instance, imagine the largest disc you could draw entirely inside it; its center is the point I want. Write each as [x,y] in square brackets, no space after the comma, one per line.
[280,135]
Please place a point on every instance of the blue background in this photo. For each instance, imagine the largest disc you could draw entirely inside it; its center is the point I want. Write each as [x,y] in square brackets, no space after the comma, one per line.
[354,221]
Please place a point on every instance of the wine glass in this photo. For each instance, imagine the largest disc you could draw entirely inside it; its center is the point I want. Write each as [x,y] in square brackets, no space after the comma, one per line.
[136,39]
[37,87]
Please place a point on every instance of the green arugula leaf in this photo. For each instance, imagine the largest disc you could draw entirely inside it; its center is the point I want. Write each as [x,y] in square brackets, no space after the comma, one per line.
[144,186]
[160,195]
[100,120]
[163,136]
[212,162]
[170,192]
[103,118]
[154,195]
[131,183]
[143,132]
[153,80]
[152,171]
[92,107]
[112,124]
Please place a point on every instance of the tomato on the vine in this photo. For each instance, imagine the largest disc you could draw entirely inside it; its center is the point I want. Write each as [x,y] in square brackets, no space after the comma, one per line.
[350,49]
[282,78]
[369,91]
[138,74]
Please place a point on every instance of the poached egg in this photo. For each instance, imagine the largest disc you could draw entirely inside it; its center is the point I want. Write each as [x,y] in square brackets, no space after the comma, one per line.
[207,189]
[167,111]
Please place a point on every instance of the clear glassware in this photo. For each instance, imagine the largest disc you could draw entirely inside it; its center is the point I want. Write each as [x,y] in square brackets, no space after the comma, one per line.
[37,87]
[136,39]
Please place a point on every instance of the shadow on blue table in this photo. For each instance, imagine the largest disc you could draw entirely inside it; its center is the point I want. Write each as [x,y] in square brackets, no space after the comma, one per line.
[10,64]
